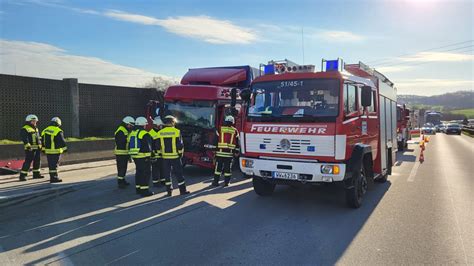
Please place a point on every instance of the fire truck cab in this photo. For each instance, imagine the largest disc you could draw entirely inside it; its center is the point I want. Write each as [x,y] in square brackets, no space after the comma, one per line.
[200,104]
[306,127]
[403,131]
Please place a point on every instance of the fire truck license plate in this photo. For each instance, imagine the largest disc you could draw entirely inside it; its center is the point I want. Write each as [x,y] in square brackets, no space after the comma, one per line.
[285,175]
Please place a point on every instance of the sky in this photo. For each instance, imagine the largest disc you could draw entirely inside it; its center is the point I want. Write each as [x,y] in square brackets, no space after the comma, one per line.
[424,46]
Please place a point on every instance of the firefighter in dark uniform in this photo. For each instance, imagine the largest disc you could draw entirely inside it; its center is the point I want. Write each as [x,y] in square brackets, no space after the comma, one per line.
[157,161]
[121,149]
[32,143]
[172,148]
[54,145]
[140,149]
[226,147]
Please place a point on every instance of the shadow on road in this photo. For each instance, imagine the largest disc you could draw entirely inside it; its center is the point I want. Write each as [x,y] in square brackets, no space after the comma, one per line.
[210,226]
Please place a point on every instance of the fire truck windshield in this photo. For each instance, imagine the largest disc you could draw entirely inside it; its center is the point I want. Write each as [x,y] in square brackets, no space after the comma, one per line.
[197,113]
[294,99]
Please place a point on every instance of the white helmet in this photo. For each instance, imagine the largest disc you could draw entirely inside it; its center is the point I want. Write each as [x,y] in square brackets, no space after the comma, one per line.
[141,121]
[157,121]
[128,120]
[29,118]
[56,120]
[170,119]
[230,119]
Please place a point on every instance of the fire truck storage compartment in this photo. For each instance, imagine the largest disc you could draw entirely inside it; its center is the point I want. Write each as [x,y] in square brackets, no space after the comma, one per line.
[388,123]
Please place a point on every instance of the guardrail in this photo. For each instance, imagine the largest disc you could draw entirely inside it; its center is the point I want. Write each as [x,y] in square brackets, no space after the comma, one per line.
[468,129]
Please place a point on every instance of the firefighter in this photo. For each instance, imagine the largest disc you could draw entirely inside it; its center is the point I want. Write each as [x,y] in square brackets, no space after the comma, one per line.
[140,149]
[156,162]
[226,147]
[54,145]
[32,143]
[121,149]
[172,148]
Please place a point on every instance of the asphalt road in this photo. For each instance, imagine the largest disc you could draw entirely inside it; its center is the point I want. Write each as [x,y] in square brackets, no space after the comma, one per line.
[424,214]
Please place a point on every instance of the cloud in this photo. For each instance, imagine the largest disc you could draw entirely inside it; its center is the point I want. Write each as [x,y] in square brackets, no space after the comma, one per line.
[338,36]
[428,86]
[393,69]
[438,57]
[203,28]
[48,61]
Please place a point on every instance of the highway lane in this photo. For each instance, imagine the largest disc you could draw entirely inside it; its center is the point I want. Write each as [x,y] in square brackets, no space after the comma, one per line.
[424,219]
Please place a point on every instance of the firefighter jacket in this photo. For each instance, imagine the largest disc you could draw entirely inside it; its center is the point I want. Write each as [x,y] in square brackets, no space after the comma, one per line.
[31,137]
[139,144]
[227,141]
[53,140]
[156,146]
[121,140]
[170,143]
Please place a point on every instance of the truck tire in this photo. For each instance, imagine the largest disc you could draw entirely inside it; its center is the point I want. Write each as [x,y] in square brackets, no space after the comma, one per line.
[262,187]
[355,194]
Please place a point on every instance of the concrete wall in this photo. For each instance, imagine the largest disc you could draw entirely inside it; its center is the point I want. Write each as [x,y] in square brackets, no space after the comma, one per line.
[85,109]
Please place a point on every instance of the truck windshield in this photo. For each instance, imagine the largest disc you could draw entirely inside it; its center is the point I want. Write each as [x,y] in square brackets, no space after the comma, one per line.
[197,113]
[295,99]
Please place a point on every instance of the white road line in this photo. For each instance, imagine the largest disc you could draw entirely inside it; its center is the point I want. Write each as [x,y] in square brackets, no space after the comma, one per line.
[413,172]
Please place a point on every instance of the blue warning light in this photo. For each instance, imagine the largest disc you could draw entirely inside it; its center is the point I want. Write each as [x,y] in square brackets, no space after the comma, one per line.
[269,69]
[332,65]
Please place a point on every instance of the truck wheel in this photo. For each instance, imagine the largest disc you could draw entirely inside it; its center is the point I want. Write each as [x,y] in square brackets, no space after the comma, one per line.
[355,194]
[262,187]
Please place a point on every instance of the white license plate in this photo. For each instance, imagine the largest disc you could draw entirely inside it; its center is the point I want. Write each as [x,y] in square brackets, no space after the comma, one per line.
[283,175]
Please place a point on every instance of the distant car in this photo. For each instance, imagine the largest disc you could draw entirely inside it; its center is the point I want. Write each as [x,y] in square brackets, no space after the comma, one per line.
[453,129]
[438,127]
[428,129]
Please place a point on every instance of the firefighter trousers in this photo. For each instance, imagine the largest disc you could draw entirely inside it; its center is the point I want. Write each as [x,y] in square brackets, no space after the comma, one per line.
[122,164]
[143,173]
[223,165]
[157,172]
[53,161]
[174,166]
[31,156]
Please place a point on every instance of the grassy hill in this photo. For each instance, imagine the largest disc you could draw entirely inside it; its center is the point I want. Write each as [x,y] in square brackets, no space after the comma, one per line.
[469,113]
[444,102]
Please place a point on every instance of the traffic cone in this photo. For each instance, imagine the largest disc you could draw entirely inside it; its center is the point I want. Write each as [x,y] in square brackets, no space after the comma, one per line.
[422,157]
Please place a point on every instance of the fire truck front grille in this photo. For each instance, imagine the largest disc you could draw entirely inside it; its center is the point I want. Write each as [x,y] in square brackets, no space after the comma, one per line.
[296,146]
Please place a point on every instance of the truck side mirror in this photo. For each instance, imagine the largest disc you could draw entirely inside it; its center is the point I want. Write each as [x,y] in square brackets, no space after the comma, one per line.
[245,95]
[366,96]
[233,97]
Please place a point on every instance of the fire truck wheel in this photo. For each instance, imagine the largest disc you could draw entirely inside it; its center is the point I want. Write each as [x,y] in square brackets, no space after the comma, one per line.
[355,194]
[262,187]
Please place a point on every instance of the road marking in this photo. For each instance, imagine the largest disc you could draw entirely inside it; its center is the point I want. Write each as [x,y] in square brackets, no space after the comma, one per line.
[413,172]
[122,257]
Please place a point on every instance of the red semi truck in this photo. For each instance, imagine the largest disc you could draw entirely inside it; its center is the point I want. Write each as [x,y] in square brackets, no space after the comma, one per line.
[200,103]
[306,127]
[403,131]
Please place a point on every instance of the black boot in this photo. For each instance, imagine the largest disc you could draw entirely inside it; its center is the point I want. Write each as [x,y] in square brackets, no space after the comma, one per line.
[22,177]
[146,193]
[169,191]
[122,183]
[37,175]
[156,183]
[182,190]
[215,182]
[55,179]
[226,181]
[137,189]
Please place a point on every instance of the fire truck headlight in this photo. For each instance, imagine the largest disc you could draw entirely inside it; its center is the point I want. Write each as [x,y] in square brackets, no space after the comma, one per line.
[246,163]
[330,169]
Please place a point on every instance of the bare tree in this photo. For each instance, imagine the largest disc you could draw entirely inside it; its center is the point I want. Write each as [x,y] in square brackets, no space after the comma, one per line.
[160,83]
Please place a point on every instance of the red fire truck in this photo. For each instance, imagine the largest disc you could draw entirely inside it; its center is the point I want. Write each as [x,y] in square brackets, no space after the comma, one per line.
[306,127]
[200,103]
[403,132]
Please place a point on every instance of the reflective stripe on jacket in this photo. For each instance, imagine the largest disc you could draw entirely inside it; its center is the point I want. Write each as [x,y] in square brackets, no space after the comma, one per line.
[227,141]
[156,146]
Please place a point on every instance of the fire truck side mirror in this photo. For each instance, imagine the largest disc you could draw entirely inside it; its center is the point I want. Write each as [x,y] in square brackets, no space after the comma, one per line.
[233,97]
[366,96]
[245,95]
